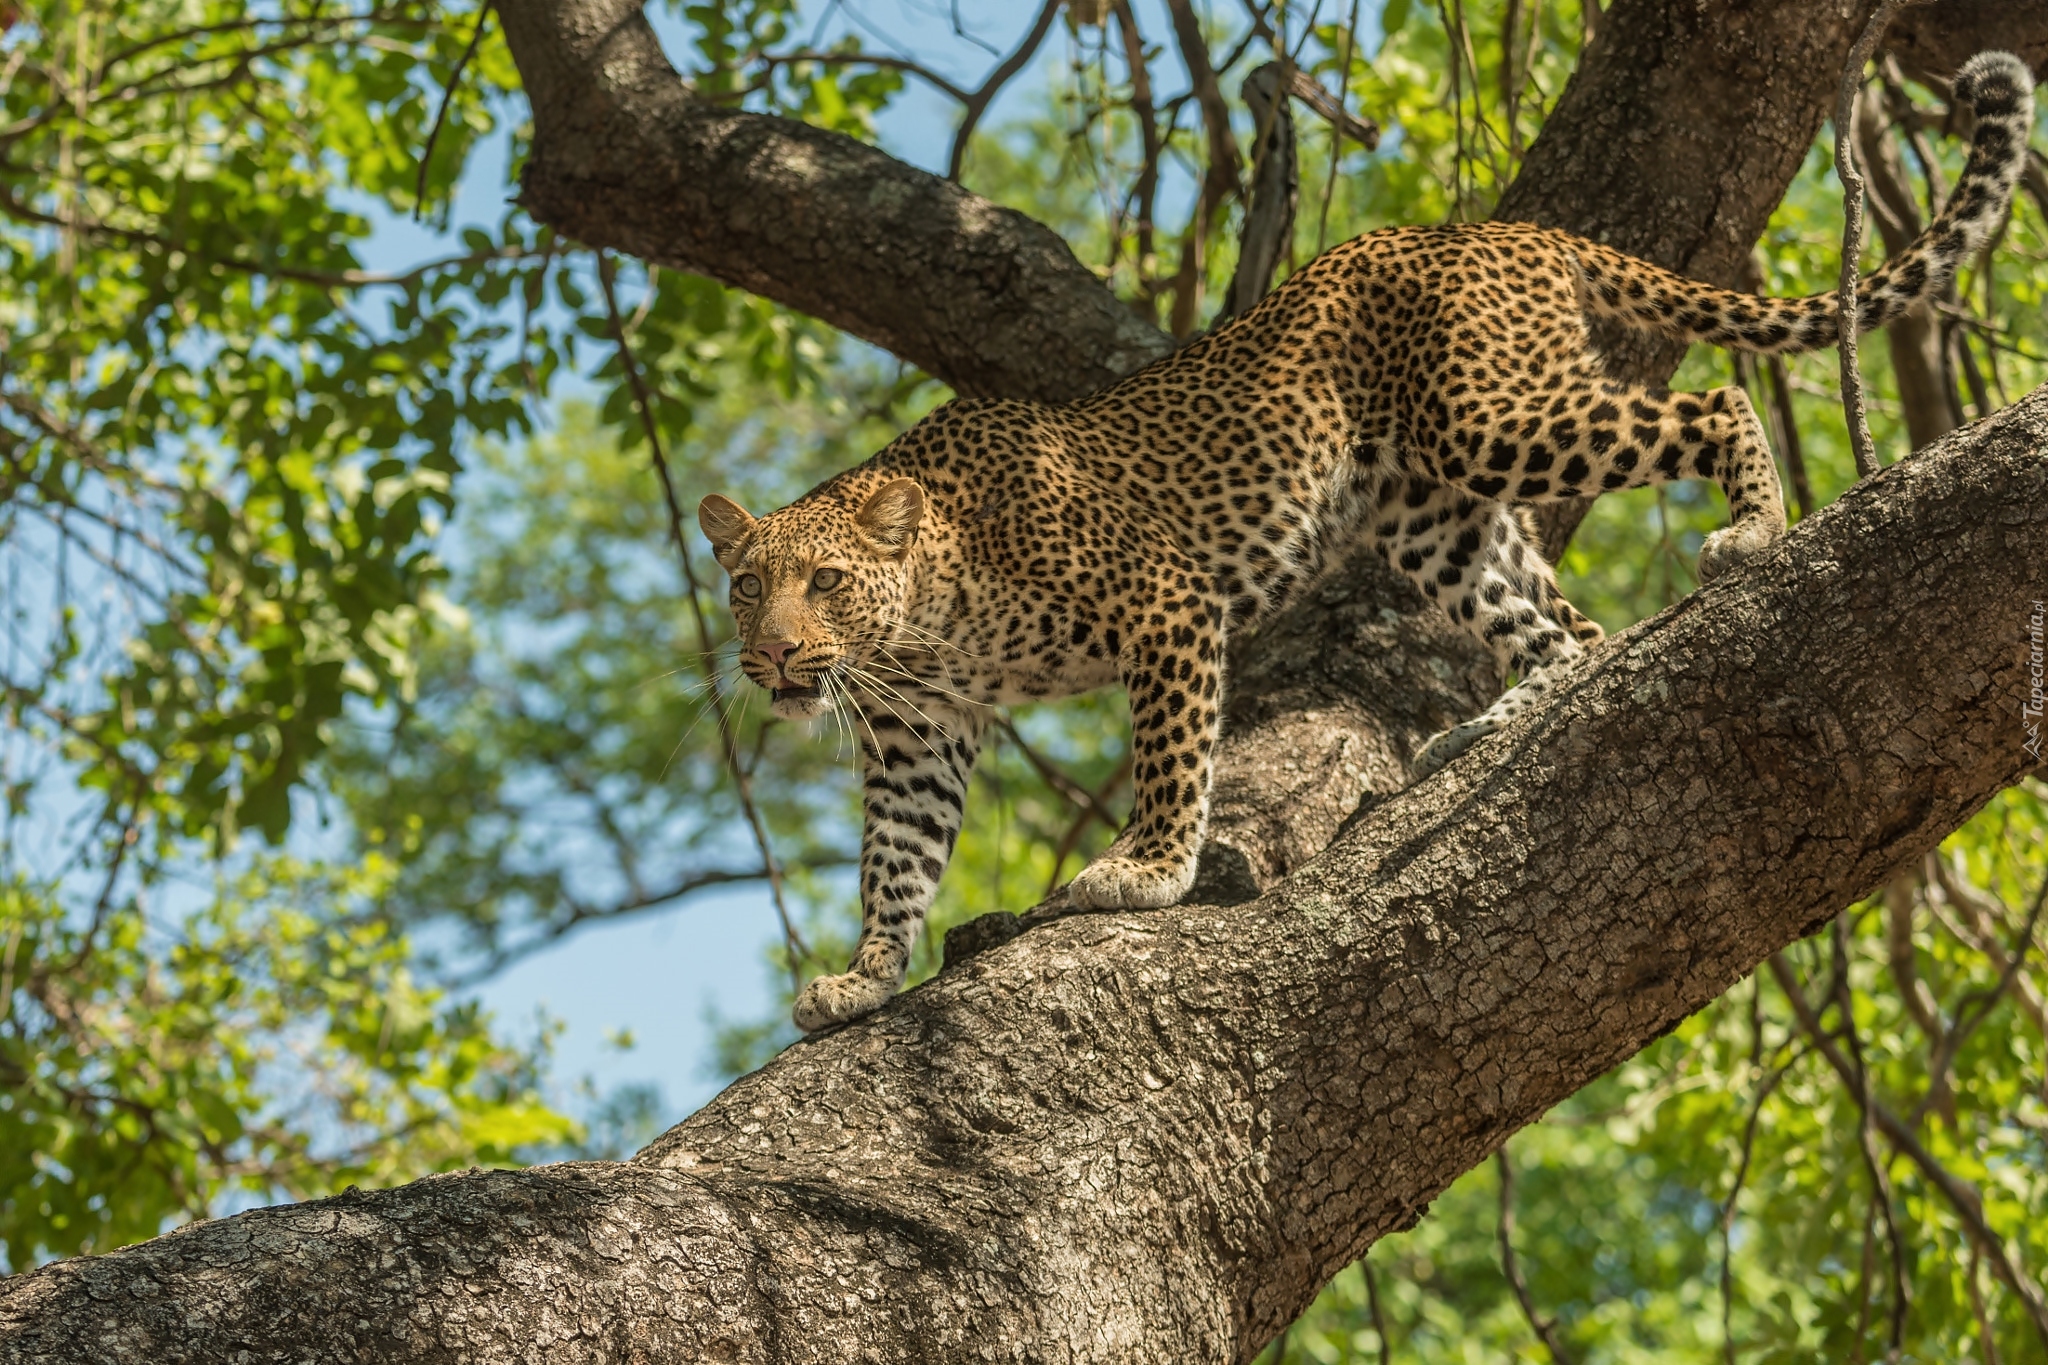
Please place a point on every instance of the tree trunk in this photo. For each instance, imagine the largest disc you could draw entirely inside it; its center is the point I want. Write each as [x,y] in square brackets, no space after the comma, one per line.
[1144,1136]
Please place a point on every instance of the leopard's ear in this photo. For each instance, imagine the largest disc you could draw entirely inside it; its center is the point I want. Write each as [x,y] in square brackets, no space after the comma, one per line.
[891,516]
[725,524]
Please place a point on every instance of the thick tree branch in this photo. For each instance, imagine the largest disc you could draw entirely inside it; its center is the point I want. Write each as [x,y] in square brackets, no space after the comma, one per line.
[1154,1135]
[625,158]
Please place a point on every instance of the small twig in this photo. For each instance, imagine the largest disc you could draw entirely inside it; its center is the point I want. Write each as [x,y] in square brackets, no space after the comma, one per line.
[1860,443]
[1220,180]
[1058,780]
[419,194]
[1880,1179]
[1146,191]
[1336,130]
[1379,1320]
[1756,1110]
[330,279]
[908,67]
[978,102]
[1979,917]
[1986,1336]
[1545,1328]
[579,914]
[1961,1196]
[1788,431]
[1977,1006]
[1457,114]
[1863,1271]
[714,689]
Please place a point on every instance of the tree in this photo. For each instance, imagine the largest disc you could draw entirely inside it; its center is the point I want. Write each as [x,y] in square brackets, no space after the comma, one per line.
[945,1178]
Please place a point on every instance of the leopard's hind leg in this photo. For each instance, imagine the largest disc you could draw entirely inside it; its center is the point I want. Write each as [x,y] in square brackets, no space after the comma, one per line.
[1477,559]
[1573,433]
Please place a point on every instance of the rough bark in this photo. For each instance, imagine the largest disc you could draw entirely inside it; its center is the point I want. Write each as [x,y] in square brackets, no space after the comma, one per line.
[625,158]
[1153,1135]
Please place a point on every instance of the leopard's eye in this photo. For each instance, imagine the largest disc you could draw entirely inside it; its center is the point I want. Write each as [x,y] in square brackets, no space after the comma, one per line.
[824,580]
[747,585]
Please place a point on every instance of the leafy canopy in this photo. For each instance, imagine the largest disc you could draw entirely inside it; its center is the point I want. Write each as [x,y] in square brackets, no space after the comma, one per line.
[236,601]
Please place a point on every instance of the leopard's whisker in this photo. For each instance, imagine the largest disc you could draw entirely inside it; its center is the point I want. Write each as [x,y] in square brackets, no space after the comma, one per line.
[719,701]
[875,688]
[841,702]
[927,682]
[892,692]
[862,717]
[935,639]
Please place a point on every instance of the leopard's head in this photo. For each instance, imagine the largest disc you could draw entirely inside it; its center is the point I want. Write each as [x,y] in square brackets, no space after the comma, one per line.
[817,588]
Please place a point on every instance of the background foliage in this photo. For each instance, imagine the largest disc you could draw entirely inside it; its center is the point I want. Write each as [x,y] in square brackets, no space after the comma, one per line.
[291,762]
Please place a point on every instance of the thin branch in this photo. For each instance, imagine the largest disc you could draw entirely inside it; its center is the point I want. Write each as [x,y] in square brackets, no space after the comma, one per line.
[1976,1007]
[1756,1109]
[1510,85]
[1913,992]
[1311,92]
[1058,780]
[1959,1193]
[1220,182]
[1379,1320]
[1880,1177]
[978,102]
[1545,1328]
[771,60]
[1145,192]
[714,686]
[419,194]
[331,279]
[1788,429]
[555,930]
[1987,1337]
[1336,130]
[127,54]
[68,102]
[2035,179]
[1979,920]
[1852,234]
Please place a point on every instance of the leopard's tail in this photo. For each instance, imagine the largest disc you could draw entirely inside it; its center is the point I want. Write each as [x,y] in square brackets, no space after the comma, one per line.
[1999,89]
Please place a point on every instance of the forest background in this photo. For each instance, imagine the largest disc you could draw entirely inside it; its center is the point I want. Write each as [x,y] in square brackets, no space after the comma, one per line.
[351,672]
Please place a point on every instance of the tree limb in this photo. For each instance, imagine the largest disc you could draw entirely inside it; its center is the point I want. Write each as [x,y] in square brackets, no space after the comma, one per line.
[624,158]
[1155,1134]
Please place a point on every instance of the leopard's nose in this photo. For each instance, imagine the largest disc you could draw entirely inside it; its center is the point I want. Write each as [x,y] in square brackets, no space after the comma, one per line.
[778,650]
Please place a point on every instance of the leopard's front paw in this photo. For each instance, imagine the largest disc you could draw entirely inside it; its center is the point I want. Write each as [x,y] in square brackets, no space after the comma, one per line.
[1114,882]
[1731,545]
[830,1000]
[1445,745]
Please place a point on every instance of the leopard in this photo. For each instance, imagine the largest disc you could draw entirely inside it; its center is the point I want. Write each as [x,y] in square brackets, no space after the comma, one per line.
[1417,388]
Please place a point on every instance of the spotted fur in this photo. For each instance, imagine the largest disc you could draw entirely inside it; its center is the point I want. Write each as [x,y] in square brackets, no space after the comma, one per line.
[1408,387]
